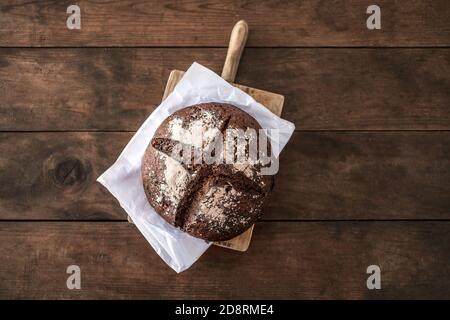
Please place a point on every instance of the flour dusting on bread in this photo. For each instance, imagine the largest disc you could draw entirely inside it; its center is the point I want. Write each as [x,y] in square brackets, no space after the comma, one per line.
[212,201]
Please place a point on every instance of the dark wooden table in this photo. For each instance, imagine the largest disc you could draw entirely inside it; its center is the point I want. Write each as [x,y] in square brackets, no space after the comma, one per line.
[364,181]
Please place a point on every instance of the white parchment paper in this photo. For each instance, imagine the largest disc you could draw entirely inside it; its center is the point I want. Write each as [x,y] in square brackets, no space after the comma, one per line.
[123,179]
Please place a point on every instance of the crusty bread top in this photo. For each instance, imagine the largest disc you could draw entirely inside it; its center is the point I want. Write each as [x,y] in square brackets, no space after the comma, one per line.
[210,201]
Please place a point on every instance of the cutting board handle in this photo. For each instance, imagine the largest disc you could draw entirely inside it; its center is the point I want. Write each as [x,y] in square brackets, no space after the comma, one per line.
[238,38]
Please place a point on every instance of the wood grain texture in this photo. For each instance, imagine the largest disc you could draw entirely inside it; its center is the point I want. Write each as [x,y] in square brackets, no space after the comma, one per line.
[286,260]
[207,23]
[342,92]
[238,40]
[323,175]
[52,176]
[363,175]
[324,89]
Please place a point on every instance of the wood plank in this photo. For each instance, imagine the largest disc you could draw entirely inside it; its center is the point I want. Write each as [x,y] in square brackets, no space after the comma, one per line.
[325,89]
[286,260]
[208,23]
[364,175]
[52,175]
[323,175]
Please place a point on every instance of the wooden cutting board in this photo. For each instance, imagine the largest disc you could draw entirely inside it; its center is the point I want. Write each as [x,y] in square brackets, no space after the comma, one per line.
[272,101]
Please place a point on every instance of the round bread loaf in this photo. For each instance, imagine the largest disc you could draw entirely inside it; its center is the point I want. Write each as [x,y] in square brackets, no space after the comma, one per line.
[215,201]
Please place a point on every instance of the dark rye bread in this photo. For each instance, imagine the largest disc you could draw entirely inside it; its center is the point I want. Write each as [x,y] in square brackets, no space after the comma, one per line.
[214,202]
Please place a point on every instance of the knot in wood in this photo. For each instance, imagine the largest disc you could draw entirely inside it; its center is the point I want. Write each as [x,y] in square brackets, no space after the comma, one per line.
[70,172]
